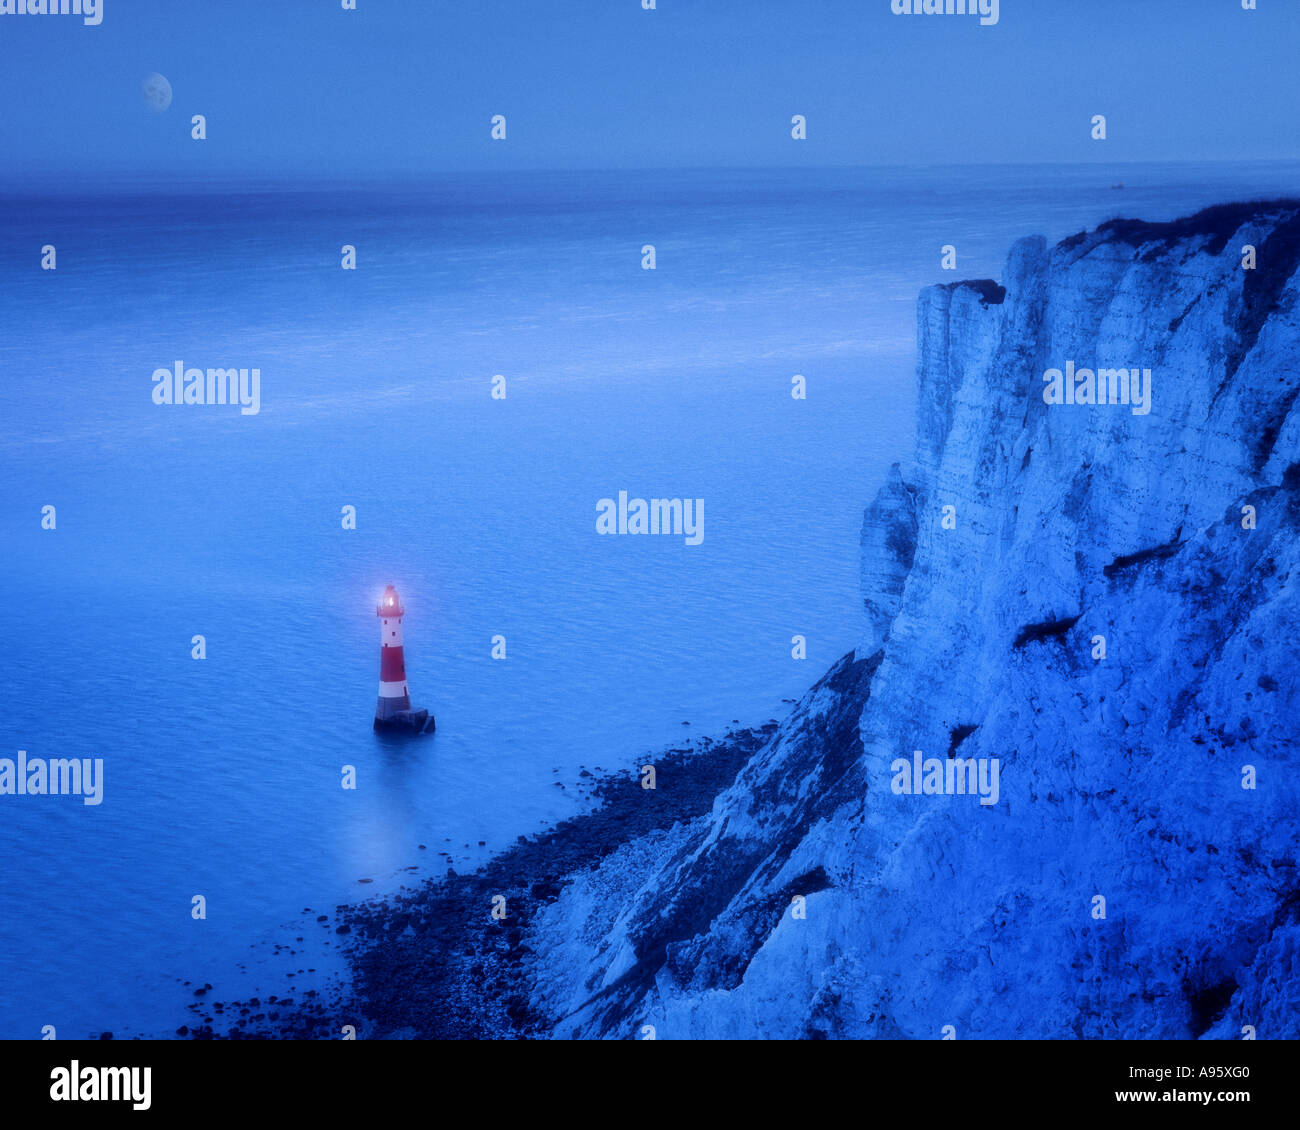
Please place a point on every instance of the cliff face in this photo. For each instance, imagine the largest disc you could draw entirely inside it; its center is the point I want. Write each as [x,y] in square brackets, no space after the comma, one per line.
[1073,590]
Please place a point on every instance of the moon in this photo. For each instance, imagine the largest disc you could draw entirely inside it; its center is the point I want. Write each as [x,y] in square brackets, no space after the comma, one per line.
[157,92]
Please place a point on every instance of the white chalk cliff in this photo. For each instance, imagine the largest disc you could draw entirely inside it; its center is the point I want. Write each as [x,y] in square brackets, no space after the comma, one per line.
[1120,777]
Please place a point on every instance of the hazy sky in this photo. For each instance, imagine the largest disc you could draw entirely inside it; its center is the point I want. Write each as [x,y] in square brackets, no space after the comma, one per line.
[302,86]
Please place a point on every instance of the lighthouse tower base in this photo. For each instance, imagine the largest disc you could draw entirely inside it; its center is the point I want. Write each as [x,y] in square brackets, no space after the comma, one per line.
[406,721]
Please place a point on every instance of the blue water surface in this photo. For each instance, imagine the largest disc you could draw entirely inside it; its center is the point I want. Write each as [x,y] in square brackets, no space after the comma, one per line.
[223,777]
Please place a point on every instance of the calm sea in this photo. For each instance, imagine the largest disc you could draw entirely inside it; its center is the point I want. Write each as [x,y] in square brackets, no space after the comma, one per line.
[223,777]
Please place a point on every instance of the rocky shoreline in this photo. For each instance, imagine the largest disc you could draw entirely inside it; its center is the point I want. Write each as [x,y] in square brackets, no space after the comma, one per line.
[434,963]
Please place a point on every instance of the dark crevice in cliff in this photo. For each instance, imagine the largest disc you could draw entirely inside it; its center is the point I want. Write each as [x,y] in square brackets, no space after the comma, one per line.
[1208,1003]
[1178,321]
[1264,440]
[901,542]
[1288,910]
[991,293]
[959,734]
[1045,630]
[1154,553]
[756,922]
[1276,259]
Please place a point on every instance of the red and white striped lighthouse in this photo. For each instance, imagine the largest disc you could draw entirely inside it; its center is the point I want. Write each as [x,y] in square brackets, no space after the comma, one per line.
[394,708]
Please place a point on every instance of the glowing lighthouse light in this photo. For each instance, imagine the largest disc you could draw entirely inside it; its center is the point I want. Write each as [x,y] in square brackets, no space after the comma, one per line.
[393,711]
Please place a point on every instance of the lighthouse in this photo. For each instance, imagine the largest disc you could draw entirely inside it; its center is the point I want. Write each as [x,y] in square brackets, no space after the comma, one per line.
[393,711]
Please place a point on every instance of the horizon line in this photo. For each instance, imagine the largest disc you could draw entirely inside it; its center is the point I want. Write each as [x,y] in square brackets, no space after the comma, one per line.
[197,179]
